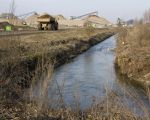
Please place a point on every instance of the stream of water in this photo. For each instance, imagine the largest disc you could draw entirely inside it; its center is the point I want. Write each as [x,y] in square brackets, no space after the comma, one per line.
[89,75]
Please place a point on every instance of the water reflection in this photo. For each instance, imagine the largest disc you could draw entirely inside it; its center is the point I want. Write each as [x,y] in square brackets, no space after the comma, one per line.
[87,77]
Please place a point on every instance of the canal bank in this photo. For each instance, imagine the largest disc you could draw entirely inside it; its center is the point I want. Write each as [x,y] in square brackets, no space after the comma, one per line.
[19,66]
[90,78]
[133,56]
[88,87]
[21,56]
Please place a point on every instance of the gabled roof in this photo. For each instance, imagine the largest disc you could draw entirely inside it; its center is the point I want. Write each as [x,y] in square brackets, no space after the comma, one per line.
[7,15]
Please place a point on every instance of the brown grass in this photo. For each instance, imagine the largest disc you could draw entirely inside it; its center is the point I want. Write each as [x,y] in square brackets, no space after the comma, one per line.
[29,45]
[19,104]
[133,56]
[24,60]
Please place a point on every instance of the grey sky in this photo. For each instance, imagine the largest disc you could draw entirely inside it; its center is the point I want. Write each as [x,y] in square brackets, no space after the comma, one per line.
[110,9]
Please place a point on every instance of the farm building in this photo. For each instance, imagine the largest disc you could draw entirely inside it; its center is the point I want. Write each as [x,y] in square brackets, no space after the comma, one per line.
[5,26]
[11,18]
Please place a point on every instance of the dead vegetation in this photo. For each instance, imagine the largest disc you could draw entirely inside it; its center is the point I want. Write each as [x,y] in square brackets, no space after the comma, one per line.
[19,54]
[28,60]
[133,56]
[24,61]
[29,45]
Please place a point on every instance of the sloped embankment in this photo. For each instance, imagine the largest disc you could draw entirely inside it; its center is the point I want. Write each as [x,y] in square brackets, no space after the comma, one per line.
[23,59]
[133,54]
[21,55]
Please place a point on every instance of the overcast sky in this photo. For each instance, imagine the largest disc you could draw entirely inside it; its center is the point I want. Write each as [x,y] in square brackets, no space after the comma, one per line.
[110,9]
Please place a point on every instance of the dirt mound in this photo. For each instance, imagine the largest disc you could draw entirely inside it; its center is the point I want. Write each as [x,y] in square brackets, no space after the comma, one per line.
[71,23]
[32,20]
[97,19]
[60,17]
[16,22]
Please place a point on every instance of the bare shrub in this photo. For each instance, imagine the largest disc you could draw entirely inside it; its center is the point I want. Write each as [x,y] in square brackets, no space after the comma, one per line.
[147,16]
[89,30]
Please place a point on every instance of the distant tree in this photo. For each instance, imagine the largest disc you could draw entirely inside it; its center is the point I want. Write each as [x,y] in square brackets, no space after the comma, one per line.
[11,16]
[119,22]
[12,7]
[138,21]
[146,17]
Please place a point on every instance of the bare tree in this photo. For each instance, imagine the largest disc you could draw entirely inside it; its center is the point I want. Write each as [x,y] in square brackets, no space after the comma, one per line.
[147,16]
[11,15]
[12,7]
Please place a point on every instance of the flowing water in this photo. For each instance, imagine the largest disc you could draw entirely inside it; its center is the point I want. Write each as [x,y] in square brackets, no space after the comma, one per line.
[89,76]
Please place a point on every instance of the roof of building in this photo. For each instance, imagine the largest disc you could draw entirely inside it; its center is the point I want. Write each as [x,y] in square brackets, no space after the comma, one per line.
[7,15]
[3,24]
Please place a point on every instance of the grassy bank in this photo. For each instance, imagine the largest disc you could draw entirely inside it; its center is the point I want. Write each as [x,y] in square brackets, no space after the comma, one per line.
[26,59]
[133,54]
[21,55]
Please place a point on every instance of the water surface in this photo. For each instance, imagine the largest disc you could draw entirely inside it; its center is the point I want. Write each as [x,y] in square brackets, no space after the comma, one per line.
[89,75]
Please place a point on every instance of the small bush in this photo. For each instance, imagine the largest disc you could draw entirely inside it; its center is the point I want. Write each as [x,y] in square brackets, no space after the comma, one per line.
[89,30]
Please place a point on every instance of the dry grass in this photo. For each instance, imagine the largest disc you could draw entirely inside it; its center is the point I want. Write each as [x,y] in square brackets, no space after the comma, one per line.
[24,60]
[15,104]
[111,108]
[29,45]
[133,56]
[19,54]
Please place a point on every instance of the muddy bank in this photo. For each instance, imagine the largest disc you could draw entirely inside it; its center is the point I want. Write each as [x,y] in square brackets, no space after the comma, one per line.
[133,56]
